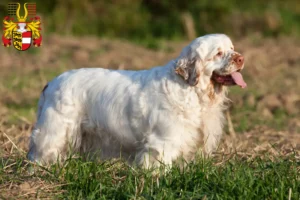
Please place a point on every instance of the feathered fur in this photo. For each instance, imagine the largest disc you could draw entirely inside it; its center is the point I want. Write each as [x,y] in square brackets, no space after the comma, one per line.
[147,116]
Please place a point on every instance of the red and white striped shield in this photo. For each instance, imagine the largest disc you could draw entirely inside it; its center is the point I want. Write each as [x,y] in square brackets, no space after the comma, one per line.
[22,41]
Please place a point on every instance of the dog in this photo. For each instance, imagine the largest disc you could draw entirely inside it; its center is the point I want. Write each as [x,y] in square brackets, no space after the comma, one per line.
[147,117]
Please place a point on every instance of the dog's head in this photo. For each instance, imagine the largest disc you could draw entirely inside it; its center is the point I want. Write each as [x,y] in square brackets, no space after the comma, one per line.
[211,57]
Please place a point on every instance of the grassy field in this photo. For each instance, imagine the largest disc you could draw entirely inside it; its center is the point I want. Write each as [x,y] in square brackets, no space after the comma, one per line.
[260,159]
[233,178]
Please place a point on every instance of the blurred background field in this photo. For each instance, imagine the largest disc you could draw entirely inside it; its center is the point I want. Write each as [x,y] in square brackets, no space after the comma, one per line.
[139,34]
[136,34]
[146,21]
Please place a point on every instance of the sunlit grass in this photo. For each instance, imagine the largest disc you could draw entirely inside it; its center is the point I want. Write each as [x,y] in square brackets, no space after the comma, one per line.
[236,178]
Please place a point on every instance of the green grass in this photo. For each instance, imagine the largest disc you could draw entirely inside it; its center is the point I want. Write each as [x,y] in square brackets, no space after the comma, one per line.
[237,178]
[245,118]
[20,101]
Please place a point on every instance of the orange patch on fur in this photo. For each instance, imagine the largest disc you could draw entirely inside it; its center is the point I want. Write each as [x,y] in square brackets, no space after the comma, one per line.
[213,89]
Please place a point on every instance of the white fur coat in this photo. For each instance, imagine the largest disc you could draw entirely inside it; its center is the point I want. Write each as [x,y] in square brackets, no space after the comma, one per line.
[147,116]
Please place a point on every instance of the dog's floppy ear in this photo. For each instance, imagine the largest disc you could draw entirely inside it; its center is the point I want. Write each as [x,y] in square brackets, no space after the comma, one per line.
[188,71]
[187,66]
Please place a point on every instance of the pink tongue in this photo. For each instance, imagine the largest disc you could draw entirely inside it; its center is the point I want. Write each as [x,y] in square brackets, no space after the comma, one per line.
[238,79]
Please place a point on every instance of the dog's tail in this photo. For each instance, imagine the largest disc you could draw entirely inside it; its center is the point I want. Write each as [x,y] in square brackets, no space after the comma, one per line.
[41,101]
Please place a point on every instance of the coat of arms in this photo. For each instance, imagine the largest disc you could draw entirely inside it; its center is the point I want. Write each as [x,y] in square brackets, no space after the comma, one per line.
[23,32]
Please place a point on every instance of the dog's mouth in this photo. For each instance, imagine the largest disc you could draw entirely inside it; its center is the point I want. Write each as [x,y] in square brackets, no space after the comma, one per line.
[235,78]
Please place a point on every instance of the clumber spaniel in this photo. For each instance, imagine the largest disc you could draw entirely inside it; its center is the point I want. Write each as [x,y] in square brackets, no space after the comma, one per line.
[147,117]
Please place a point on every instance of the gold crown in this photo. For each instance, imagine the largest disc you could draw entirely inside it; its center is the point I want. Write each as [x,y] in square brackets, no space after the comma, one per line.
[22,18]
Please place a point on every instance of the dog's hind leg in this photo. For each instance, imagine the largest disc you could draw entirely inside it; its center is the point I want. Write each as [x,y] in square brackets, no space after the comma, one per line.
[56,132]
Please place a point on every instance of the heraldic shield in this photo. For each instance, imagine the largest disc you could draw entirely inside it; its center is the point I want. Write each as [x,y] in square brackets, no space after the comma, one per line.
[22,40]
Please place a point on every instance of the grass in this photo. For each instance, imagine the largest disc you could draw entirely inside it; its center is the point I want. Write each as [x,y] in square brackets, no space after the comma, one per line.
[243,124]
[20,101]
[236,178]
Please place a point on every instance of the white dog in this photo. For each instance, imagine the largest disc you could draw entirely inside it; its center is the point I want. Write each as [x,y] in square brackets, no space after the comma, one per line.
[147,116]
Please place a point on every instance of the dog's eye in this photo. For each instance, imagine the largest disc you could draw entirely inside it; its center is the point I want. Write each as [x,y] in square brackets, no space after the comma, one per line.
[220,53]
